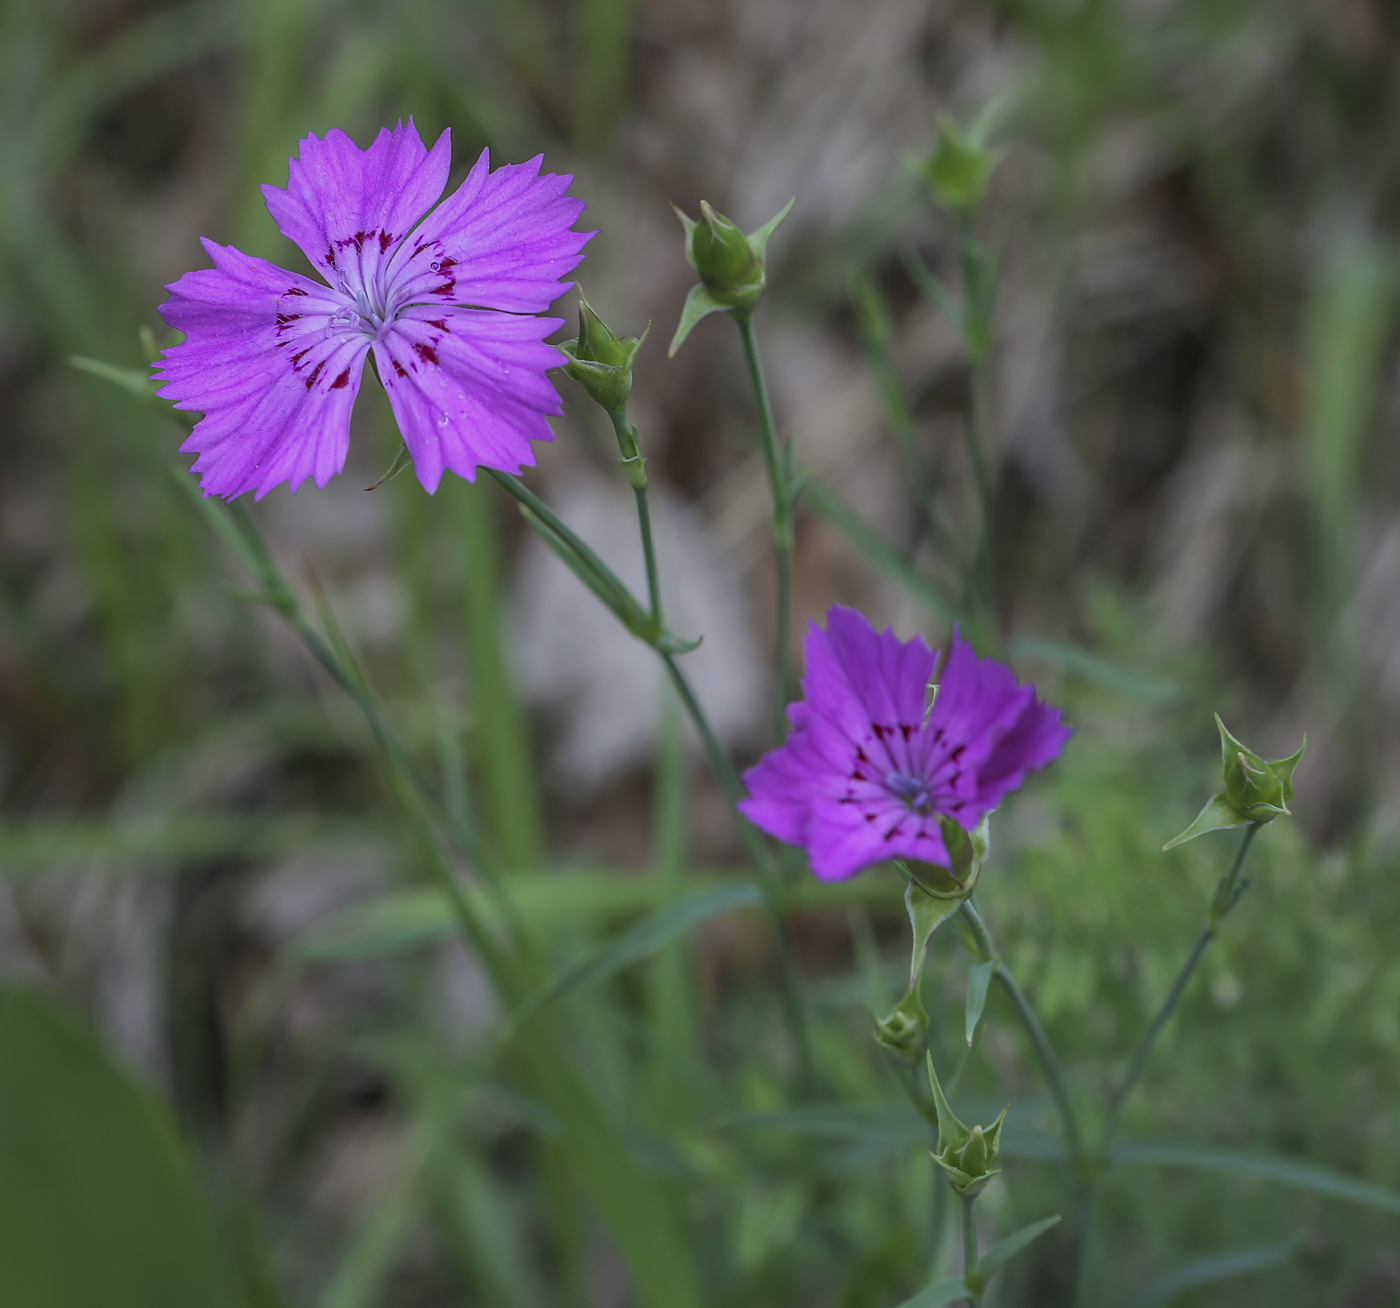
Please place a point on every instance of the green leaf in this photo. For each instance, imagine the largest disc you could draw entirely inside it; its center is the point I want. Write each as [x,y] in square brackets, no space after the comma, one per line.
[370,1255]
[1001,1253]
[1216,816]
[926,914]
[979,978]
[944,1292]
[897,1127]
[1209,1270]
[132,380]
[1262,1167]
[697,304]
[643,940]
[401,460]
[1089,667]
[99,1202]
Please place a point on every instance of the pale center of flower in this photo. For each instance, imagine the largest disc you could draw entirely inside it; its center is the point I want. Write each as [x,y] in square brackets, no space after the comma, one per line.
[910,790]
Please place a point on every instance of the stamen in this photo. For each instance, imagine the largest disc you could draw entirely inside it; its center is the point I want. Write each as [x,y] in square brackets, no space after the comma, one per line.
[911,791]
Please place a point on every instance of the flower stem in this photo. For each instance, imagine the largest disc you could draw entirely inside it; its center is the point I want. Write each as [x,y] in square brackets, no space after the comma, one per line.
[1045,1051]
[1227,895]
[979,292]
[635,465]
[971,1271]
[778,460]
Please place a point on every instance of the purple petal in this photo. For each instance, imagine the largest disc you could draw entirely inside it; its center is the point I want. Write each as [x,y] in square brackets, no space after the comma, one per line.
[507,236]
[841,839]
[348,208]
[265,363]
[468,388]
[1037,739]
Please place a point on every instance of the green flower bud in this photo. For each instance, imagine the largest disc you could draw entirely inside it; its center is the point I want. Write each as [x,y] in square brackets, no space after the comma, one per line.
[599,361]
[961,165]
[904,1031]
[733,267]
[1256,789]
[965,1153]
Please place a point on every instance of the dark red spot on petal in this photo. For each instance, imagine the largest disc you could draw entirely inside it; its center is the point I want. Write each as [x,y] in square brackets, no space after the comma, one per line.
[439,323]
[906,730]
[399,368]
[330,255]
[870,817]
[894,831]
[341,382]
[956,754]
[386,239]
[425,352]
[295,290]
[860,754]
[315,372]
[284,318]
[445,289]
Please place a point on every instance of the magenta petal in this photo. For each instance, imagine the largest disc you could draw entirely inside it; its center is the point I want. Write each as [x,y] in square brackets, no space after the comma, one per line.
[348,208]
[468,388]
[262,360]
[508,235]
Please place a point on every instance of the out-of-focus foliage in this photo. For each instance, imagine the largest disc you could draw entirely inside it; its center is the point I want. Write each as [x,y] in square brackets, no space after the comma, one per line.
[1193,394]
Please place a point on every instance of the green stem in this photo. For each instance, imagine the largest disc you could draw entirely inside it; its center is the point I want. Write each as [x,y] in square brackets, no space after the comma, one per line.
[777,459]
[1040,1040]
[636,469]
[1232,886]
[970,1261]
[979,291]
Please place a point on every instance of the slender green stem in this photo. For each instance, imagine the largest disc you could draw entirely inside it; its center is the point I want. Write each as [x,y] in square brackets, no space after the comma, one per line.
[970,1260]
[636,469]
[1040,1040]
[459,835]
[979,292]
[777,460]
[1227,896]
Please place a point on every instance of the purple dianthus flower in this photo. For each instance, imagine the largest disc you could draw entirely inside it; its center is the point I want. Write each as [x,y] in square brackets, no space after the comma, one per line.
[867,767]
[448,304]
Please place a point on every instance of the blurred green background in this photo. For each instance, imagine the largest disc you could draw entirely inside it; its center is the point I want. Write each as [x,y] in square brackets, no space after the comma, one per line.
[241,1064]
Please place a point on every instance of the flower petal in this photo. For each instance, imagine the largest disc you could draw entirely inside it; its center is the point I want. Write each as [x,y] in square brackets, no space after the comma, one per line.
[502,240]
[349,208]
[468,388]
[844,839]
[271,368]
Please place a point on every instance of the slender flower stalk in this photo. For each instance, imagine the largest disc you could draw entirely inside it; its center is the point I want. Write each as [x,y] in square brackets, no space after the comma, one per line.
[1231,887]
[636,473]
[777,459]
[971,1270]
[1040,1039]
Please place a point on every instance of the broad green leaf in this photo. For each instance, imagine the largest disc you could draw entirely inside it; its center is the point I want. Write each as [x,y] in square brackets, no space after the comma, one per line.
[944,1292]
[1209,1270]
[1262,1167]
[979,977]
[99,1202]
[640,942]
[1001,1253]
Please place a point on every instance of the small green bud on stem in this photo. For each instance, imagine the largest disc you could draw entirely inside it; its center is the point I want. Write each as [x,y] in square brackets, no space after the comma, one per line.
[600,361]
[965,1153]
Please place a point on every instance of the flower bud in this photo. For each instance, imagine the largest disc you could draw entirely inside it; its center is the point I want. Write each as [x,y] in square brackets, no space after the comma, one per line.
[599,361]
[733,267]
[961,165]
[904,1030]
[1256,789]
[965,1153]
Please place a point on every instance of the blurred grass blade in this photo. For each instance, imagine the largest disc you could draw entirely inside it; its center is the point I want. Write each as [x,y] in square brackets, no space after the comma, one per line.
[876,548]
[1005,1250]
[1261,1167]
[979,978]
[99,1201]
[132,380]
[1100,672]
[899,1127]
[368,1261]
[640,942]
[1207,1271]
[936,1296]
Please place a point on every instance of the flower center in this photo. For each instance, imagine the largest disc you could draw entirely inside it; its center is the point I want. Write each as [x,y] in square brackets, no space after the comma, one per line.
[910,790]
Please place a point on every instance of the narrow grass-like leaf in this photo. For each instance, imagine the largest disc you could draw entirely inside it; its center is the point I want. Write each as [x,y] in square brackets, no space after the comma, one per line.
[947,1291]
[1209,1270]
[1261,1167]
[979,978]
[369,1257]
[1090,667]
[1001,1253]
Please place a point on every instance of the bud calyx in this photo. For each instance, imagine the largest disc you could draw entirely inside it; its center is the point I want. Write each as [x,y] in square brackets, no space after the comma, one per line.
[965,1153]
[600,361]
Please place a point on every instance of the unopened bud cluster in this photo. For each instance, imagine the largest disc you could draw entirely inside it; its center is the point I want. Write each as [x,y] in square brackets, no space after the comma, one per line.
[965,1153]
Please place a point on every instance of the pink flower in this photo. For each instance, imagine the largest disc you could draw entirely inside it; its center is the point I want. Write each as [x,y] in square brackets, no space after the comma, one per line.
[866,769]
[447,302]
